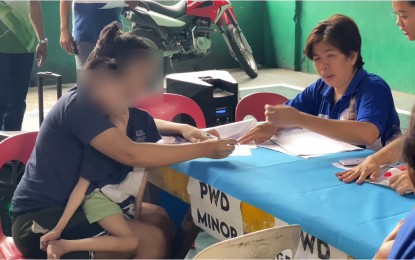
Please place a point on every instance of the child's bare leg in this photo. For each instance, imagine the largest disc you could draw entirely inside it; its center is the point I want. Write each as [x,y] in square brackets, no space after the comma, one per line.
[157,216]
[151,243]
[121,240]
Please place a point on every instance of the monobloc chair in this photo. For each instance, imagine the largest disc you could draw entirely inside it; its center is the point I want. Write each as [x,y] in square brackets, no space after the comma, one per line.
[167,106]
[15,148]
[264,244]
[254,105]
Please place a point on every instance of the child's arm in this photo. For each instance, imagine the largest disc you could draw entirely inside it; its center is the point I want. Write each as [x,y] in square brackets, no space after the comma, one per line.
[75,200]
[140,195]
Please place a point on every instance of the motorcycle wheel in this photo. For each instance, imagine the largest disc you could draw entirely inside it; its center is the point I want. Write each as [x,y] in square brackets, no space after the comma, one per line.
[150,38]
[241,52]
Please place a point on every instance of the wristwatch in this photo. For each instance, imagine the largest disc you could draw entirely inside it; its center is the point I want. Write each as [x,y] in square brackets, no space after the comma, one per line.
[44,41]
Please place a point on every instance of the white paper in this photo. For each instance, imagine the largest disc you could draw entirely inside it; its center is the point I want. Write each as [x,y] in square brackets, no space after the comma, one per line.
[306,144]
[317,249]
[242,150]
[381,180]
[340,166]
[234,130]
[271,145]
[217,213]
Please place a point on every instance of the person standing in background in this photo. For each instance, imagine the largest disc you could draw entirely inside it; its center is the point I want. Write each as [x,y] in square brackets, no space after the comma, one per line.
[88,20]
[21,35]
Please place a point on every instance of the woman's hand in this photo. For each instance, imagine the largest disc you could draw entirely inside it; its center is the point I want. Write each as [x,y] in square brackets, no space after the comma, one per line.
[387,244]
[50,236]
[67,42]
[259,134]
[219,148]
[282,116]
[369,167]
[41,54]
[194,135]
[401,183]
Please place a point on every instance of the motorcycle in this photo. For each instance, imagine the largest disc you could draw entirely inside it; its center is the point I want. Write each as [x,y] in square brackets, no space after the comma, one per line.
[183,30]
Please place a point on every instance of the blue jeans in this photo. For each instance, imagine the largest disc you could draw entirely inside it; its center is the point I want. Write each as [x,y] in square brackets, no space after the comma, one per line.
[15,71]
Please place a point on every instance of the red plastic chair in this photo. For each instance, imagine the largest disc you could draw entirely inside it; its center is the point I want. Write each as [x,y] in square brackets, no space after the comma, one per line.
[253,105]
[15,148]
[167,106]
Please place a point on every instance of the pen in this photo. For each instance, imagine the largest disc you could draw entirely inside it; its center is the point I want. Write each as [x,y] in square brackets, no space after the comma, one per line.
[210,136]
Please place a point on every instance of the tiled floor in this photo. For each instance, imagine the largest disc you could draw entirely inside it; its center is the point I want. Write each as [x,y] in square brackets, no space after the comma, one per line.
[285,82]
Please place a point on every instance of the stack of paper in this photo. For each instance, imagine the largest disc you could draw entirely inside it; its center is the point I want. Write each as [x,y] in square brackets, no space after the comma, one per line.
[234,130]
[306,144]
[231,131]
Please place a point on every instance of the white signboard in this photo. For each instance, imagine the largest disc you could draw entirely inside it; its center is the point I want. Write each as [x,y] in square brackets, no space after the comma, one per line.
[214,211]
[310,247]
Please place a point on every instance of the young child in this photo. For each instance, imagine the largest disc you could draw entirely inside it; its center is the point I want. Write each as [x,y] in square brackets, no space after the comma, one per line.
[108,202]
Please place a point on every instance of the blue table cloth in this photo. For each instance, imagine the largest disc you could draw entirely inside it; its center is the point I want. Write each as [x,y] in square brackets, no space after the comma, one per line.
[353,218]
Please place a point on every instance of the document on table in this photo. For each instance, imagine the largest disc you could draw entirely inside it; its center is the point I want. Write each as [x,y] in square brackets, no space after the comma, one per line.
[307,144]
[386,171]
[271,145]
[234,130]
[243,150]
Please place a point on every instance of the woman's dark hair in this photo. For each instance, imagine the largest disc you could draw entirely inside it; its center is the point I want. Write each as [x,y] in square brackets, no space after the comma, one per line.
[115,47]
[341,32]
[411,2]
[409,143]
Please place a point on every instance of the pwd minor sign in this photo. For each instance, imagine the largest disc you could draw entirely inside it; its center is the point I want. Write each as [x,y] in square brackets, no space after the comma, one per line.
[214,211]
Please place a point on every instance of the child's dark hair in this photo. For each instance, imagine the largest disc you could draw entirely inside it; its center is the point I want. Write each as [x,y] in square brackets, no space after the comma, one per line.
[409,144]
[341,32]
[115,47]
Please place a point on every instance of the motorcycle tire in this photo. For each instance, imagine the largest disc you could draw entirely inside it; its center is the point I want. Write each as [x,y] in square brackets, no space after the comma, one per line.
[148,37]
[241,52]
[151,39]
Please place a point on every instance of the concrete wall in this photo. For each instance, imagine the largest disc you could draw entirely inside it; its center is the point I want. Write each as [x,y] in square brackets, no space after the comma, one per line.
[277,31]
[59,62]
[385,49]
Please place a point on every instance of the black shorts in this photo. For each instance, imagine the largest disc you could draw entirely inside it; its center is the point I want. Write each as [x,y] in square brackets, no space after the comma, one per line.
[29,243]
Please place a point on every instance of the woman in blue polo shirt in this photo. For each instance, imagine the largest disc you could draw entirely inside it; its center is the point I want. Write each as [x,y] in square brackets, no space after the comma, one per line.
[346,103]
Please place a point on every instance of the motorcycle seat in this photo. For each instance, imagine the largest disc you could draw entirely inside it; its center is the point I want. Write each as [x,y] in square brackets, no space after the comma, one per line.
[174,11]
